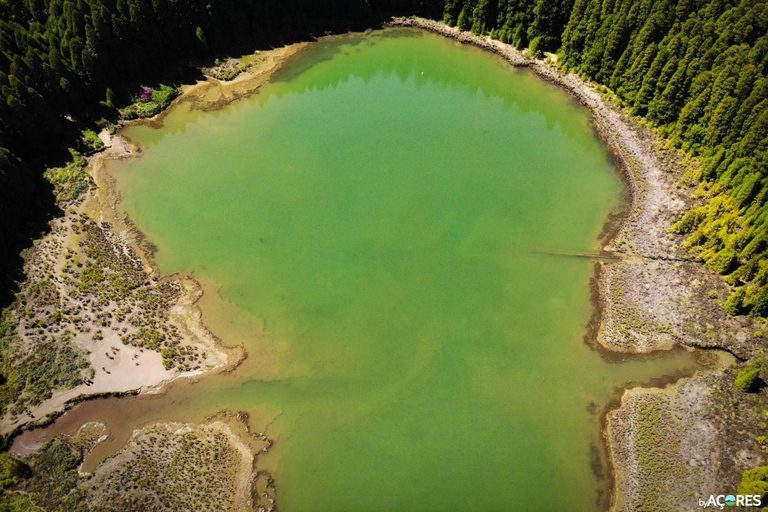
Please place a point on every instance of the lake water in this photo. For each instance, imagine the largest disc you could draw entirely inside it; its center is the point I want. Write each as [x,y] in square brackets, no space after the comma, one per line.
[385,223]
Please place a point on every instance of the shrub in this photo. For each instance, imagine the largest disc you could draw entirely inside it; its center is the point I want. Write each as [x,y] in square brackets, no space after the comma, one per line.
[754,481]
[149,101]
[11,471]
[724,261]
[71,181]
[535,47]
[690,221]
[90,142]
[735,303]
[30,378]
[747,378]
[759,303]
[90,278]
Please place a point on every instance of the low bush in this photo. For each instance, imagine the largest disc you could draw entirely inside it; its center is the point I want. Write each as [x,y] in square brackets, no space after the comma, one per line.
[90,142]
[149,101]
[754,481]
[748,377]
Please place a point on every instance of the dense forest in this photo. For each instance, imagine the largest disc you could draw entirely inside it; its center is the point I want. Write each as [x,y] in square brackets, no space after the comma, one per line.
[695,69]
[63,63]
[698,71]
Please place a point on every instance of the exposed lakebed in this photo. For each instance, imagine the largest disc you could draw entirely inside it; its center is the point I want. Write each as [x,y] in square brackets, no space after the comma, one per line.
[388,225]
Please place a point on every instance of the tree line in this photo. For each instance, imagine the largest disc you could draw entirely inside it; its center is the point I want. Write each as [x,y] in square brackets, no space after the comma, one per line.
[61,59]
[695,69]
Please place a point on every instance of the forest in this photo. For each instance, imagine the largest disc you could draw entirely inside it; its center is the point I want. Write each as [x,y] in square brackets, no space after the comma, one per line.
[693,69]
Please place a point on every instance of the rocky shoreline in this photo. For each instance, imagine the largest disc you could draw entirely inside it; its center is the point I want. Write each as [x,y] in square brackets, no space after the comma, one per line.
[640,236]
[666,447]
[651,296]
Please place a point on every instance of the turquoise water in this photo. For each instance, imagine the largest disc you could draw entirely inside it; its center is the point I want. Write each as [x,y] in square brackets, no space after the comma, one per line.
[382,221]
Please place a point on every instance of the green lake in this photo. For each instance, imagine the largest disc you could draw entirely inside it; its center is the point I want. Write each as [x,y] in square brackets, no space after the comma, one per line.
[386,224]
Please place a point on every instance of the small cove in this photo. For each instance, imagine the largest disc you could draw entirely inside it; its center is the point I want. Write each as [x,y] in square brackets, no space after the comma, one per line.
[383,228]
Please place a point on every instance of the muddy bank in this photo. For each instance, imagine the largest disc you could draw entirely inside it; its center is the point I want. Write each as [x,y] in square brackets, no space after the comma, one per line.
[174,465]
[654,296]
[164,466]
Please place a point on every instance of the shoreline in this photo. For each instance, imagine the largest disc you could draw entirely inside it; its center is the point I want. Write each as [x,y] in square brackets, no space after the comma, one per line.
[626,298]
[102,204]
[212,94]
[633,159]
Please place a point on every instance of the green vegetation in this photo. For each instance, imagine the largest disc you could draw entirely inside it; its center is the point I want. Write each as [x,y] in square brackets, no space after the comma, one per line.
[149,101]
[748,377]
[226,70]
[12,471]
[537,24]
[29,377]
[695,69]
[754,481]
[51,481]
[106,275]
[167,468]
[657,449]
[71,181]
[85,291]
[91,142]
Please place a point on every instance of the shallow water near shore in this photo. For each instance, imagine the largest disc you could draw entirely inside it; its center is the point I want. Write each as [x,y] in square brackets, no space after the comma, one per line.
[386,227]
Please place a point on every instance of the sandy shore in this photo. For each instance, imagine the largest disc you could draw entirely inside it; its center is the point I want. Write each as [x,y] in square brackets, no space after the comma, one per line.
[93,323]
[651,297]
[212,94]
[119,367]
